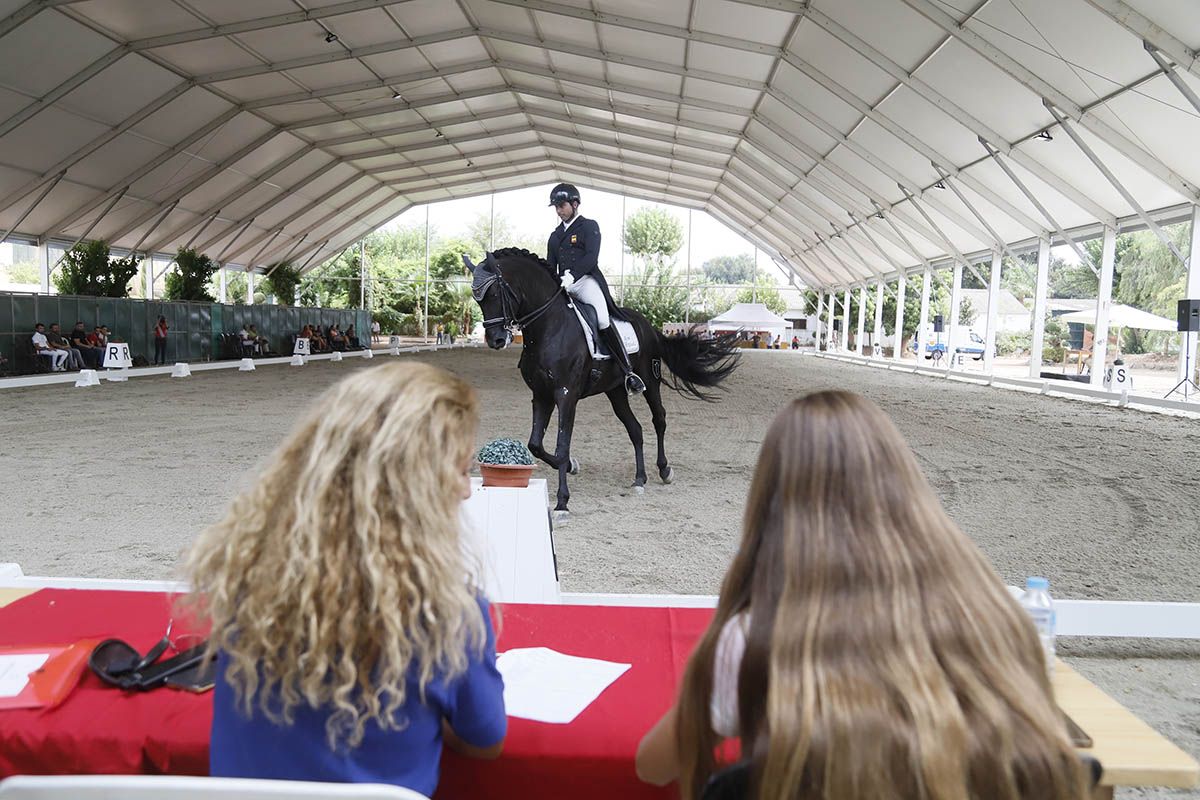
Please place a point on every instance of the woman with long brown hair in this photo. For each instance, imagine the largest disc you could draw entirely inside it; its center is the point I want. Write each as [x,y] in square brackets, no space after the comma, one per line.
[351,639]
[862,646]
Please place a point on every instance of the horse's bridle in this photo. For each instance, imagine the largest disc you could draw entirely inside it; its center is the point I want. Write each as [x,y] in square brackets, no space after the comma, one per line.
[508,302]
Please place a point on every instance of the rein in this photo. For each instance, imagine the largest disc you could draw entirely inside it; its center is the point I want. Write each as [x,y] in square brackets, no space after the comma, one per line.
[508,299]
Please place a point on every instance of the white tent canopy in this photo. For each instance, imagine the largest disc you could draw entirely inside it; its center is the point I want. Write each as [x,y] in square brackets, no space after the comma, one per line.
[1123,316]
[748,317]
[849,139]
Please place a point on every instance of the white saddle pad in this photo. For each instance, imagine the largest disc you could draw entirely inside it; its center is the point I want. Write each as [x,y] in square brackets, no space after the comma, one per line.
[628,337]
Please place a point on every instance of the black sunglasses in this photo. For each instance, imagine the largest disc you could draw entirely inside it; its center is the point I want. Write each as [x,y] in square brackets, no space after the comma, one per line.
[116,662]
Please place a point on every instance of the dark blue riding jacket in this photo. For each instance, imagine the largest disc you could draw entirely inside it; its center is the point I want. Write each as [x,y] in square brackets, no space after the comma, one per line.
[578,249]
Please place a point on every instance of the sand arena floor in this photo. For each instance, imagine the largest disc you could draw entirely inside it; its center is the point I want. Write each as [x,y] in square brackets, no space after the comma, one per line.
[115,481]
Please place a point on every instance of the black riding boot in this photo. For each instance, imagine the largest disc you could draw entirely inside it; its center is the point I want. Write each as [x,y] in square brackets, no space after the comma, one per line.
[612,338]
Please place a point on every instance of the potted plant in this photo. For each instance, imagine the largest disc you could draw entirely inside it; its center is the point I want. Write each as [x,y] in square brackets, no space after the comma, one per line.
[505,462]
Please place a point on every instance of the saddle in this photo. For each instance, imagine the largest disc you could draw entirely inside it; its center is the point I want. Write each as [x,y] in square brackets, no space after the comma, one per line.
[591,332]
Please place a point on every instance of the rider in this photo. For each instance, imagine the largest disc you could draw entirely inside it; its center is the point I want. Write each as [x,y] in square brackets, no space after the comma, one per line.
[573,250]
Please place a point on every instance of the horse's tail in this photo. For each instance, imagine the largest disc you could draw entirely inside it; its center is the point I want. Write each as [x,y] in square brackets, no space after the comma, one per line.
[697,363]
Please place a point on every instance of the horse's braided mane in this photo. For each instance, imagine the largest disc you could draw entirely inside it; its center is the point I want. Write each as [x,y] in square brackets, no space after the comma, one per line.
[504,252]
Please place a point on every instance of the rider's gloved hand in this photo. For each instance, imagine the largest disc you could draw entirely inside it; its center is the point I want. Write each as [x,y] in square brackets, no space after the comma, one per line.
[567,279]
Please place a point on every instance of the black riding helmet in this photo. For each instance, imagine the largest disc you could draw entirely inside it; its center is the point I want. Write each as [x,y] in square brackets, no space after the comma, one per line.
[563,193]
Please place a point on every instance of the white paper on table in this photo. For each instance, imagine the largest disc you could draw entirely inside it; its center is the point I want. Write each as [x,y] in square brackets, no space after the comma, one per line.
[547,686]
[15,671]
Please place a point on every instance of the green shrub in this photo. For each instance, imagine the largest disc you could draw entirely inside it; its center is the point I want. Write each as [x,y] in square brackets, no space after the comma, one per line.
[190,280]
[87,269]
[504,451]
[1055,341]
[1010,343]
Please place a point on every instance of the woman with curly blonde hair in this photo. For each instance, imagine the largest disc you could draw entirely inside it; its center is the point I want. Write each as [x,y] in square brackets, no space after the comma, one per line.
[351,640]
[862,646]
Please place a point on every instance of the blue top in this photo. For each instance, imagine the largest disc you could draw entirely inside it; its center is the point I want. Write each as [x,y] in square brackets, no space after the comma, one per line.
[473,704]
[1037,583]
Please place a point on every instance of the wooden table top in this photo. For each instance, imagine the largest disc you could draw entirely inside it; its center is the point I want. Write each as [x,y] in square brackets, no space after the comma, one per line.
[1131,752]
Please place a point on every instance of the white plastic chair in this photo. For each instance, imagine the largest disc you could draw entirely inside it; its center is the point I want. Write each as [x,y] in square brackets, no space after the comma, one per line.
[181,787]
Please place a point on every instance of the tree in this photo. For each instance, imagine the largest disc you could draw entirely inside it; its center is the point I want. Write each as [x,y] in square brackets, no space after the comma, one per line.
[655,294]
[730,269]
[765,292]
[88,269]
[492,232]
[281,280]
[653,234]
[190,279]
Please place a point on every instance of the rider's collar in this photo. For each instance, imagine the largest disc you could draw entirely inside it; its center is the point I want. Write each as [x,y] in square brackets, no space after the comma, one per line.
[567,224]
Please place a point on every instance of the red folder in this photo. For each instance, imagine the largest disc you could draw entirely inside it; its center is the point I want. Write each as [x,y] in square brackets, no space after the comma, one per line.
[50,685]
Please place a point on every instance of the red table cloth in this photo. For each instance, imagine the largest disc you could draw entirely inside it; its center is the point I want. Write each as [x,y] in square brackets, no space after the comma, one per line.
[99,729]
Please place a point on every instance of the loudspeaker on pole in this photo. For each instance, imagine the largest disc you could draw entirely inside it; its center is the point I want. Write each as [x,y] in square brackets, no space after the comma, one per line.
[1189,316]
[938,323]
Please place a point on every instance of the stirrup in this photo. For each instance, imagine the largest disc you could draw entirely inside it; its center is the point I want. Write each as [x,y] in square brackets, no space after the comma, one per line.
[634,384]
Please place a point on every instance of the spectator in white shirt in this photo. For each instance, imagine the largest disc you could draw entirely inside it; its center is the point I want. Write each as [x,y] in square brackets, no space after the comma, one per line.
[41,345]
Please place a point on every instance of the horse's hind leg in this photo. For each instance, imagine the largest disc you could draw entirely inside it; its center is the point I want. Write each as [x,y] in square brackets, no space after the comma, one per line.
[659,414]
[620,404]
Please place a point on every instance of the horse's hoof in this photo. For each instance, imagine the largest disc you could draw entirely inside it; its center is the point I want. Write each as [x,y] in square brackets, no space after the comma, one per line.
[638,488]
[573,467]
[561,516]
[668,476]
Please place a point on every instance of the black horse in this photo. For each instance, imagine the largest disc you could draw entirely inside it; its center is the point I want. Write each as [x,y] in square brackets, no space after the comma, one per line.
[515,288]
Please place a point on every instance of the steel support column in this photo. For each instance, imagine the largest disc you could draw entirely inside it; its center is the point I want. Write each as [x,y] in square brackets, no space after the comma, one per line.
[43,258]
[877,335]
[922,336]
[846,320]
[862,320]
[993,313]
[955,300]
[898,338]
[249,287]
[1108,259]
[1036,343]
[1193,291]
[224,286]
[817,329]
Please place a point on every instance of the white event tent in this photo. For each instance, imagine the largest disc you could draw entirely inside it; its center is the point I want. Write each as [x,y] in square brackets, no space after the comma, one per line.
[749,317]
[851,140]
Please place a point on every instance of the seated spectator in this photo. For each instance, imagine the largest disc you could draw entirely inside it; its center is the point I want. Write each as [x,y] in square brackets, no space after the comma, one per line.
[262,345]
[352,339]
[380,647]
[41,346]
[336,340]
[320,345]
[862,645]
[247,343]
[59,342]
[93,355]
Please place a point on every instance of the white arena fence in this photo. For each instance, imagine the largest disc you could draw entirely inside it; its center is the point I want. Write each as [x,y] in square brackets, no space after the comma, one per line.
[1048,387]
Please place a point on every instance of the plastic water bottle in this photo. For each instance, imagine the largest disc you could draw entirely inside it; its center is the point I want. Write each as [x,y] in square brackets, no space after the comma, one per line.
[1037,603]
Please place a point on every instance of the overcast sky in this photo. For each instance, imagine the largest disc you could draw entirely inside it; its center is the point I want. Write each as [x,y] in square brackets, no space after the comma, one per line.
[529,213]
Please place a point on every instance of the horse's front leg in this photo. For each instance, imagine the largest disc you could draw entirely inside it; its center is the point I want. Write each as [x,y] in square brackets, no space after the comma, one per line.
[566,401]
[542,408]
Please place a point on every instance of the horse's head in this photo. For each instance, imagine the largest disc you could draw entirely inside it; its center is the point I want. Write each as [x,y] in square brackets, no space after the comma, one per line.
[495,299]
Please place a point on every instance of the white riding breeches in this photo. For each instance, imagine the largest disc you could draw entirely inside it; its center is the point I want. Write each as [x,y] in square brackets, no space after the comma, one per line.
[588,291]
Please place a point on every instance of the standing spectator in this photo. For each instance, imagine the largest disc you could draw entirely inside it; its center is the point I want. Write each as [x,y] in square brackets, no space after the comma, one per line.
[42,347]
[59,342]
[160,341]
[366,682]
[795,342]
[92,354]
[438,330]
[375,331]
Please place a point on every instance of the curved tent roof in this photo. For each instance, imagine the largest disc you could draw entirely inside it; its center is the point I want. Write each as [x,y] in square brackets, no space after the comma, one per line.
[750,316]
[847,138]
